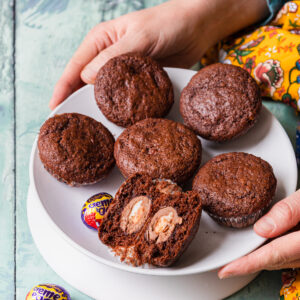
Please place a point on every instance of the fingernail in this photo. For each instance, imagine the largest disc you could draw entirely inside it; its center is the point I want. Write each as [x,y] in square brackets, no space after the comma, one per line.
[88,74]
[264,226]
[223,274]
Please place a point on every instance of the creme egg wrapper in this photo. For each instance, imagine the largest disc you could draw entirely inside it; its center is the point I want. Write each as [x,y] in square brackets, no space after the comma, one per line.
[47,292]
[94,210]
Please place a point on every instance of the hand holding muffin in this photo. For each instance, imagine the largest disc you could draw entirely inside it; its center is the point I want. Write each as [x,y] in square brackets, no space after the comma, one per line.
[176,33]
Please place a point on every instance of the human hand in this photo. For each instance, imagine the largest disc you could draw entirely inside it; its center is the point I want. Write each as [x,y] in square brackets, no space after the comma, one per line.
[280,253]
[176,33]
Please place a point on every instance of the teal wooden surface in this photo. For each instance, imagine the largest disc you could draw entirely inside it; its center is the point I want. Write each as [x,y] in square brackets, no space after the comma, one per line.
[7,187]
[47,32]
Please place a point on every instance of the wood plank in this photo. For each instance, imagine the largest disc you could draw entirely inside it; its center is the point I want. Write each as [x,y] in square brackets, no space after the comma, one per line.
[45,40]
[48,33]
[6,152]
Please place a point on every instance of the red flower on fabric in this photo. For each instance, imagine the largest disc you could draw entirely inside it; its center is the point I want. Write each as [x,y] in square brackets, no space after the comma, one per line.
[272,29]
[270,74]
[273,33]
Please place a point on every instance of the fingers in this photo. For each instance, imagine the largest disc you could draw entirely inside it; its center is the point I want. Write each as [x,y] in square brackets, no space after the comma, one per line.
[283,216]
[125,45]
[275,255]
[70,80]
[291,265]
[89,72]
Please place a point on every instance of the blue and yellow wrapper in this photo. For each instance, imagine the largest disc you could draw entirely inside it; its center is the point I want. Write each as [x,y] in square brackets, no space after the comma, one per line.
[48,292]
[94,209]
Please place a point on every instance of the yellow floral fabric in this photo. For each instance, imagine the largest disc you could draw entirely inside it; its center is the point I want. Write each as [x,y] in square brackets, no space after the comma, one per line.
[291,285]
[271,54]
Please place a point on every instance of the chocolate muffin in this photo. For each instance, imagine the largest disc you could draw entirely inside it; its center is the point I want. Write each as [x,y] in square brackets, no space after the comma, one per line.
[160,148]
[235,188]
[150,221]
[220,102]
[76,149]
[132,87]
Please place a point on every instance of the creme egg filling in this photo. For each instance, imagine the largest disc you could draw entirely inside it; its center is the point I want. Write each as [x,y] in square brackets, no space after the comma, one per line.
[135,214]
[163,223]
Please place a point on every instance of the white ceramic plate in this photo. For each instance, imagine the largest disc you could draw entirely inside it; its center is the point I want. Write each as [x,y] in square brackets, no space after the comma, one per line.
[213,245]
[99,281]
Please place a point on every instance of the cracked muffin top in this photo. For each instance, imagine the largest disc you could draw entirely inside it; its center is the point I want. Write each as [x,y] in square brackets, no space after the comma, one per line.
[76,149]
[235,184]
[220,102]
[160,148]
[132,87]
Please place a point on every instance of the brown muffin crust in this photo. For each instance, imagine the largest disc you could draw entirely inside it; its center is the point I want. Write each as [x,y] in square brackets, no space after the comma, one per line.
[235,188]
[160,148]
[164,248]
[220,102]
[76,149]
[132,87]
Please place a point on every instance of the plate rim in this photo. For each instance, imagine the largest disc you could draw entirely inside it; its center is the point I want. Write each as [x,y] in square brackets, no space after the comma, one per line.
[125,267]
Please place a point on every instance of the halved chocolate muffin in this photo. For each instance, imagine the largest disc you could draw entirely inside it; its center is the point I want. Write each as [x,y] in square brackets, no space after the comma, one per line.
[150,221]
[76,149]
[236,188]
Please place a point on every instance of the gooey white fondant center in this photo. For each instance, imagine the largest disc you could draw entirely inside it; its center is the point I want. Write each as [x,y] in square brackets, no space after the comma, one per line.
[136,212]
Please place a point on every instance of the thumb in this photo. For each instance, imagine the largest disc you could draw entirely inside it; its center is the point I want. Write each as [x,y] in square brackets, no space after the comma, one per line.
[283,216]
[90,71]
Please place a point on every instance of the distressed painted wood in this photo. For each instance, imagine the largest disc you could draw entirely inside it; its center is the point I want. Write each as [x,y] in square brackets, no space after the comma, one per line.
[6,152]
[42,50]
[47,34]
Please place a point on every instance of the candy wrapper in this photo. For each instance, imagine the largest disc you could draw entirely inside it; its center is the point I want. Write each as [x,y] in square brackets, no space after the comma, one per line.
[94,209]
[291,285]
[48,292]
